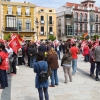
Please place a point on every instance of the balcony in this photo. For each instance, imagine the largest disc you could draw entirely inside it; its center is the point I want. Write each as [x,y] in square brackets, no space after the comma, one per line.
[75,19]
[19,13]
[50,33]
[92,20]
[51,22]
[92,31]
[42,33]
[27,14]
[15,29]
[42,22]
[10,13]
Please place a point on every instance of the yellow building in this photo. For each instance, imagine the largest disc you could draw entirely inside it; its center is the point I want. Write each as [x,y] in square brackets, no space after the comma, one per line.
[46,22]
[18,18]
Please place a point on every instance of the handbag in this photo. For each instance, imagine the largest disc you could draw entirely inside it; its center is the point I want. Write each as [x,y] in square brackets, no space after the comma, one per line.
[49,71]
[43,75]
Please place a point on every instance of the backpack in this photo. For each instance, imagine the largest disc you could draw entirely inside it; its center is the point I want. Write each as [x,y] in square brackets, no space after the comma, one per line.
[43,76]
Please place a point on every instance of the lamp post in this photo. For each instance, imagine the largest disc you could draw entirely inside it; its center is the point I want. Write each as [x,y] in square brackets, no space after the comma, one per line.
[37,26]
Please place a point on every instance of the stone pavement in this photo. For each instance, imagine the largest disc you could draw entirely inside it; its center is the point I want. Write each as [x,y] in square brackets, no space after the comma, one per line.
[83,87]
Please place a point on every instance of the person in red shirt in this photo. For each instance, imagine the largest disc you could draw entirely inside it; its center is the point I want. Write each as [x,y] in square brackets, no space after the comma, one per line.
[3,68]
[74,51]
[86,52]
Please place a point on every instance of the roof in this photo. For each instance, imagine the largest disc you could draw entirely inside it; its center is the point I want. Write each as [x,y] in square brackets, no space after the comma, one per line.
[68,4]
[18,4]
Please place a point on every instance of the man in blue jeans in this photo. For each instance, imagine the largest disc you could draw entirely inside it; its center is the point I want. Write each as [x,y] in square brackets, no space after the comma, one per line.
[74,51]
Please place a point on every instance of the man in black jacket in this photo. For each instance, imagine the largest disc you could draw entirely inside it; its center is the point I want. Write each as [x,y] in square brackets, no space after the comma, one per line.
[32,53]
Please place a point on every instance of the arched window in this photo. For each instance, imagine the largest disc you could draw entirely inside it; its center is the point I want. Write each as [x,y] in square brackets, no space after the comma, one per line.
[85,17]
[28,25]
[96,18]
[80,16]
[76,16]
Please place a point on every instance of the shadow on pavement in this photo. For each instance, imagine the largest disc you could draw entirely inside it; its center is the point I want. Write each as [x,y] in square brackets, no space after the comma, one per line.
[6,93]
[85,73]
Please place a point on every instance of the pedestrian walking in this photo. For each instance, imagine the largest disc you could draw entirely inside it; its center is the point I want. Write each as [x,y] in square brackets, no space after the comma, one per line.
[97,60]
[74,51]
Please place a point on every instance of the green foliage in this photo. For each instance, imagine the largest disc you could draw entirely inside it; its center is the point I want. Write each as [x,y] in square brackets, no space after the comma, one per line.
[7,37]
[51,37]
[95,37]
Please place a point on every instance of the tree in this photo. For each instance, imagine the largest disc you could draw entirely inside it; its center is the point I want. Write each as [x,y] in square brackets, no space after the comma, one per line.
[7,37]
[51,37]
[95,37]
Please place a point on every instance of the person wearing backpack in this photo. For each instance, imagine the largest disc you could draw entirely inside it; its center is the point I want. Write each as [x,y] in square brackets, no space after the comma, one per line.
[4,65]
[41,80]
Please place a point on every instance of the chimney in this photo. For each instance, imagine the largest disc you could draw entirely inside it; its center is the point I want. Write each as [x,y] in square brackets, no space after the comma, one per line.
[24,1]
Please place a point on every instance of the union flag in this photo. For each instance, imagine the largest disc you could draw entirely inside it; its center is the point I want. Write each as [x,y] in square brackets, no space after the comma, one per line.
[14,44]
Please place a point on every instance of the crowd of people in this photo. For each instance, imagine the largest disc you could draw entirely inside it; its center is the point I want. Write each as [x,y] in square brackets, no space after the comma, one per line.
[44,59]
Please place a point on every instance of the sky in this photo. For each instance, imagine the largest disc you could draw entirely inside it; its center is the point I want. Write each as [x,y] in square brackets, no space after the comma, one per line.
[53,3]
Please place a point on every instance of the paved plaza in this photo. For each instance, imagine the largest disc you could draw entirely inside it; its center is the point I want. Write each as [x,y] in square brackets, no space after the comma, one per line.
[83,87]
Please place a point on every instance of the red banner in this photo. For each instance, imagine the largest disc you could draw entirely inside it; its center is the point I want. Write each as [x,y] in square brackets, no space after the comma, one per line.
[14,44]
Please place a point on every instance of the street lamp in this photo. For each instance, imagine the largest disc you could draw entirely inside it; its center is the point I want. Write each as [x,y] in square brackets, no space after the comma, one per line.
[37,26]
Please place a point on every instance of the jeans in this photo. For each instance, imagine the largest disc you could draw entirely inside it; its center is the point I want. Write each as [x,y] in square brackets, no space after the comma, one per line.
[3,78]
[58,52]
[74,66]
[97,69]
[87,58]
[92,68]
[32,61]
[54,77]
[40,90]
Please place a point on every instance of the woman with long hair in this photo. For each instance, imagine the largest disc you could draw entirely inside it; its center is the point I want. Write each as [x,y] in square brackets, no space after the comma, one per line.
[39,66]
[52,60]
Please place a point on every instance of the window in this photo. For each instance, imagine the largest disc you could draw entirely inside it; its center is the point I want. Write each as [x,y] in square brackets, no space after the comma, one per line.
[85,17]
[9,9]
[69,30]
[19,24]
[42,30]
[85,27]
[50,10]
[76,16]
[81,17]
[27,11]
[50,19]
[18,10]
[76,27]
[28,25]
[80,27]
[10,23]
[42,10]
[51,30]
[42,19]
[91,28]
[96,28]
[96,18]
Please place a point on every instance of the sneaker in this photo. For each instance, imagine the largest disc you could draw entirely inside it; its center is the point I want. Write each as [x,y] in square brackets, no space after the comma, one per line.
[96,79]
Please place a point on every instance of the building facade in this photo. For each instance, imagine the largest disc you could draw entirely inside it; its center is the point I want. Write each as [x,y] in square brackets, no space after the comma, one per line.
[78,19]
[45,22]
[18,18]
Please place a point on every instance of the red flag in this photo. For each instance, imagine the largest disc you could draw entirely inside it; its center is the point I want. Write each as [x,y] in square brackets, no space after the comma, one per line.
[15,45]
[18,36]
